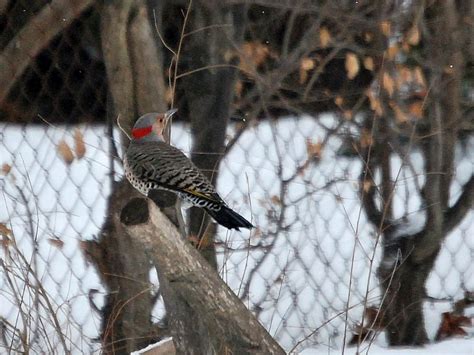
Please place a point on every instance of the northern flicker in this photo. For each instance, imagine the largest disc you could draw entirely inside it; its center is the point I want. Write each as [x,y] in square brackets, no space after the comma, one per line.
[150,163]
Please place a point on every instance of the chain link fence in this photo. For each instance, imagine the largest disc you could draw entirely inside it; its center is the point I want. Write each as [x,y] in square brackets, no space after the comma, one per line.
[308,265]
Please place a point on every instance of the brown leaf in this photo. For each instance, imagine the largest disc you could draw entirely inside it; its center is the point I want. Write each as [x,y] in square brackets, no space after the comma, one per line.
[79,146]
[275,200]
[352,65]
[386,28]
[4,230]
[253,54]
[388,83]
[56,242]
[314,150]
[348,114]
[373,324]
[366,138]
[413,36]
[416,109]
[400,115]
[451,326]
[65,151]
[419,77]
[405,75]
[375,103]
[306,64]
[6,168]
[324,37]
[5,242]
[392,51]
[369,63]
[366,185]
[339,100]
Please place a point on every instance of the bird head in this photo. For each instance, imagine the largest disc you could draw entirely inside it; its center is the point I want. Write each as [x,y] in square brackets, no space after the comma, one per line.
[150,126]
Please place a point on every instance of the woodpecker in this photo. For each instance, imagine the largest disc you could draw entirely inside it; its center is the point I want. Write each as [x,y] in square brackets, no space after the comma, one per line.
[150,164]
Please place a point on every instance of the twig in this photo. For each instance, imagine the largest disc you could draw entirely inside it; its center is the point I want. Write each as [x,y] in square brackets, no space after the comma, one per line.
[161,37]
[121,128]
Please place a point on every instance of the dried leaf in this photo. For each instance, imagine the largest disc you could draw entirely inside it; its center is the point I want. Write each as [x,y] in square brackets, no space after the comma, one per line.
[405,47]
[168,95]
[375,103]
[253,54]
[339,100]
[369,63]
[314,150]
[324,37]
[366,185]
[386,28]
[352,65]
[416,109]
[6,168]
[306,64]
[275,200]
[348,114]
[366,138]
[373,324]
[419,77]
[413,36]
[392,51]
[79,146]
[65,151]
[400,115]
[56,242]
[4,230]
[451,326]
[5,242]
[388,83]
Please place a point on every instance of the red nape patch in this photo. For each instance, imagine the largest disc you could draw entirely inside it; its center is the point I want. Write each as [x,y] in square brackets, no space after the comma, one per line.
[138,133]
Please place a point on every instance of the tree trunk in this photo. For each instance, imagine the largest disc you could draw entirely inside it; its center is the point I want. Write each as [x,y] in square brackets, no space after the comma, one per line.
[124,271]
[209,95]
[408,259]
[403,291]
[226,325]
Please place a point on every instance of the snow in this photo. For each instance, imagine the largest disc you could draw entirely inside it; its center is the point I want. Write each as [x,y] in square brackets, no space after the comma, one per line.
[152,346]
[410,224]
[447,347]
[300,277]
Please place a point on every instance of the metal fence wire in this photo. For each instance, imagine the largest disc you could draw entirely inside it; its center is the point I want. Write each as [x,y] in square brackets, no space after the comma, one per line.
[312,254]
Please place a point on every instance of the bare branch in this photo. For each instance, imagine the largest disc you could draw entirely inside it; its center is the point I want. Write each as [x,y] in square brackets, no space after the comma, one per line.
[463,205]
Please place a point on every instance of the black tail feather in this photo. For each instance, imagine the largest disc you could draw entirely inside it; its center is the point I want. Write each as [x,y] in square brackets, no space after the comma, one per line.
[229,218]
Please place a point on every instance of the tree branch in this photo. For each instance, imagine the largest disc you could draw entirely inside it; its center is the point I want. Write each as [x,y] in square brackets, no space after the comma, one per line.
[114,27]
[33,37]
[231,326]
[463,205]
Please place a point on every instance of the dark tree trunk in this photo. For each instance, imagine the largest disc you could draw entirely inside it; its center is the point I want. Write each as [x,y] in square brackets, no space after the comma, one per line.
[403,288]
[209,95]
[124,270]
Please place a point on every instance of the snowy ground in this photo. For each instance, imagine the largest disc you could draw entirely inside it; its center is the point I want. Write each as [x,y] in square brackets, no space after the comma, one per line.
[448,347]
[297,284]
